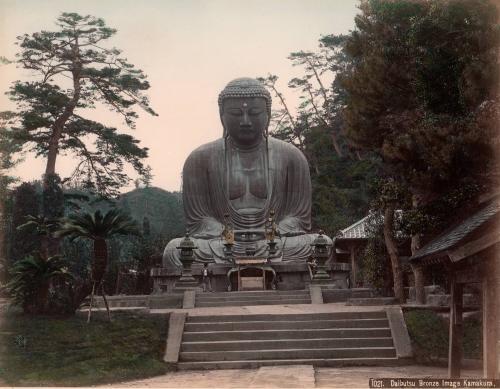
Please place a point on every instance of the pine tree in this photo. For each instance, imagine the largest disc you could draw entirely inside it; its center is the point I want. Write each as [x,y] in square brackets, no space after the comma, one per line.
[74,72]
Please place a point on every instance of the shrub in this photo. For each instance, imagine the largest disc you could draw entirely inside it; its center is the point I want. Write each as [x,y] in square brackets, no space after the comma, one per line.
[32,279]
[429,336]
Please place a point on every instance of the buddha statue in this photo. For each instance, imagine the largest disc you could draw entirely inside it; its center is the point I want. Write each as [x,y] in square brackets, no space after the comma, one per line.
[241,182]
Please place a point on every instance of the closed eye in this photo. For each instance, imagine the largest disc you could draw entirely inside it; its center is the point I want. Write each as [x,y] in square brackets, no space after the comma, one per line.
[235,112]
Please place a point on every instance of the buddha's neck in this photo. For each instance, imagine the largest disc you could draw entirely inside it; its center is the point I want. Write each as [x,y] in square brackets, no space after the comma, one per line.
[246,148]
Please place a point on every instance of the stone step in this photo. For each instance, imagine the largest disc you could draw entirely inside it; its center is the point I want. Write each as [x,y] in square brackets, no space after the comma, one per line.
[166,301]
[251,303]
[212,336]
[252,298]
[361,292]
[254,364]
[236,345]
[288,353]
[254,293]
[372,301]
[288,317]
[285,325]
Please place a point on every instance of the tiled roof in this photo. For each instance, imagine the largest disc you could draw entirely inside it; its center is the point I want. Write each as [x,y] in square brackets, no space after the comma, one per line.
[359,230]
[355,231]
[451,238]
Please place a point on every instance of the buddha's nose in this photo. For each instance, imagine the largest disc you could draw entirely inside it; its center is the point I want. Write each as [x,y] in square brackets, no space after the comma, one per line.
[245,121]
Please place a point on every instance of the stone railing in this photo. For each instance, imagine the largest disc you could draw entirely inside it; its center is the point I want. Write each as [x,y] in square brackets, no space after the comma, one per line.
[340,266]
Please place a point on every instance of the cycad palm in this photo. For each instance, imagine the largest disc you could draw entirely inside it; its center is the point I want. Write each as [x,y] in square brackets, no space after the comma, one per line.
[30,282]
[43,227]
[98,228]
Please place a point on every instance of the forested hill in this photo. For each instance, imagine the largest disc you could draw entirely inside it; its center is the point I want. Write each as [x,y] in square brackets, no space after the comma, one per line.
[163,209]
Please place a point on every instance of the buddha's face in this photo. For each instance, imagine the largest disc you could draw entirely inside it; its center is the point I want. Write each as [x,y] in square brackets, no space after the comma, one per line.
[245,119]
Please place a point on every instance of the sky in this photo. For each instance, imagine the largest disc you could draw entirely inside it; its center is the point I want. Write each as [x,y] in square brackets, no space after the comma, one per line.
[189,49]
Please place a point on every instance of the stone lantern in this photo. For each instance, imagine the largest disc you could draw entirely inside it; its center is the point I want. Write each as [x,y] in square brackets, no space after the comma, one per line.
[321,253]
[187,248]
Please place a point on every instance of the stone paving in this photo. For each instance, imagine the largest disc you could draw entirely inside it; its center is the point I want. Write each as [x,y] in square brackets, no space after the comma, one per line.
[294,376]
[273,309]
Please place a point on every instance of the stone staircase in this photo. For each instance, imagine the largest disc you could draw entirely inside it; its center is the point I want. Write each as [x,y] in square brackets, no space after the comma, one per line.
[264,297]
[320,339]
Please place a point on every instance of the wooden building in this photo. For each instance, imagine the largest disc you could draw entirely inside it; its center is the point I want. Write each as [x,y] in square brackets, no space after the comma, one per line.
[348,244]
[470,253]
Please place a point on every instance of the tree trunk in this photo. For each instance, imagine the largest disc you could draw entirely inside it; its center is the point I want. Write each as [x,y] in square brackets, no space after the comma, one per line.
[57,130]
[52,153]
[418,273]
[58,127]
[91,302]
[118,281]
[393,253]
[78,292]
[105,301]
[100,260]
[335,143]
[39,303]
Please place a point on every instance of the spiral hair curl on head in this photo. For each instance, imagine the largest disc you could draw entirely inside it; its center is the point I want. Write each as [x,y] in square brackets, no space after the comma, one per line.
[245,87]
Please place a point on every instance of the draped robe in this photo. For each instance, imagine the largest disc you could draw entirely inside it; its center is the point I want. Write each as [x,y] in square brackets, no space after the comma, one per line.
[206,201]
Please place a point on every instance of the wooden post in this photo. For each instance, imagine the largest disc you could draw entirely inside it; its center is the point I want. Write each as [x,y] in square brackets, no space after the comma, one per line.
[418,274]
[354,267]
[239,279]
[490,320]
[456,329]
[264,278]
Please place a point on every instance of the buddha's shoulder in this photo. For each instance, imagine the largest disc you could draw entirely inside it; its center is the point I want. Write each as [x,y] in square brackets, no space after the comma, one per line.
[205,151]
[208,148]
[281,146]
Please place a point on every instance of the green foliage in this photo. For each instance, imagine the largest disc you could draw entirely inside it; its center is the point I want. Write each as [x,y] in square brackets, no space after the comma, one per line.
[25,202]
[52,197]
[421,92]
[429,336]
[375,266]
[97,225]
[31,278]
[163,210]
[8,148]
[98,228]
[147,177]
[41,225]
[340,176]
[473,339]
[135,256]
[131,254]
[44,351]
[341,185]
[49,117]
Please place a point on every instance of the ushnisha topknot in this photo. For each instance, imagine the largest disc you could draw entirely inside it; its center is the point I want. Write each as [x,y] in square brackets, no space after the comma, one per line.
[245,87]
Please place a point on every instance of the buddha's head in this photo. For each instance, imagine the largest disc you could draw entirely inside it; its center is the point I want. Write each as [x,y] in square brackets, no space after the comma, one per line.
[245,110]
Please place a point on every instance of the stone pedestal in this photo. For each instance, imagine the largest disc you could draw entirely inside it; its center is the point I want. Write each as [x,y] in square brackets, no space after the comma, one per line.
[186,282]
[291,276]
[181,286]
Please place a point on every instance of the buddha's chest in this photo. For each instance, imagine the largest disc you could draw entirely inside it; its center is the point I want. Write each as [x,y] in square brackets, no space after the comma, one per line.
[247,180]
